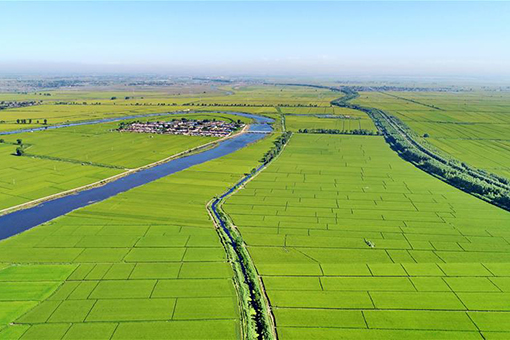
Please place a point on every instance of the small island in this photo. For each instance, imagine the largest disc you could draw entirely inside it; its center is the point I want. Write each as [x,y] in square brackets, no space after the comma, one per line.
[205,128]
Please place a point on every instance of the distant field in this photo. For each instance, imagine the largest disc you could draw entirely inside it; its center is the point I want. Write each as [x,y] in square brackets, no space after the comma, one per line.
[329,109]
[275,96]
[295,123]
[474,127]
[96,105]
[24,178]
[144,264]
[353,242]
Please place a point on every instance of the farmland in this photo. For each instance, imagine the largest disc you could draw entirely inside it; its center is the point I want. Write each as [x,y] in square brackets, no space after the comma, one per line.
[70,157]
[471,126]
[348,239]
[351,241]
[143,264]
[255,170]
[66,158]
[73,106]
[334,118]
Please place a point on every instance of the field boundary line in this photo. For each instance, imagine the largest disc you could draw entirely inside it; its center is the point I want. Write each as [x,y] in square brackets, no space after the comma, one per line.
[122,174]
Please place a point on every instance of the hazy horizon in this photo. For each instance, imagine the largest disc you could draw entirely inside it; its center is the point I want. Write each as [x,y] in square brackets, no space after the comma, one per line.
[400,39]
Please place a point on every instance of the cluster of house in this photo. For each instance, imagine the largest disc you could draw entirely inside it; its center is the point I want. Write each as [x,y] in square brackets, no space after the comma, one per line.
[208,128]
[16,104]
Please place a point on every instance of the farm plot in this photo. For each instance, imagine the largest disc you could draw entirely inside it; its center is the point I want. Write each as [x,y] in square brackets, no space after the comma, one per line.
[146,264]
[71,106]
[473,127]
[491,155]
[101,144]
[81,155]
[55,114]
[274,96]
[24,179]
[353,242]
[296,123]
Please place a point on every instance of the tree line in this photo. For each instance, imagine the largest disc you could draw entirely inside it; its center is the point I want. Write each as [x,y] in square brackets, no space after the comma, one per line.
[490,187]
[363,132]
[29,121]
[277,147]
[249,105]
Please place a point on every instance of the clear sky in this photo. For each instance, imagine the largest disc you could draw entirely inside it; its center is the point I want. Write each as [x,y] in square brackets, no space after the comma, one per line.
[259,38]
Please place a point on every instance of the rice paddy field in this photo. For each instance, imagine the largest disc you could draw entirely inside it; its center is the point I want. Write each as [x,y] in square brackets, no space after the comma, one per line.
[300,122]
[349,240]
[24,179]
[145,264]
[473,127]
[271,95]
[352,242]
[73,106]
[69,151]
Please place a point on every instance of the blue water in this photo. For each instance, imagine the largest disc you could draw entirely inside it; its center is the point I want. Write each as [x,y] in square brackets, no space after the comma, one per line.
[19,221]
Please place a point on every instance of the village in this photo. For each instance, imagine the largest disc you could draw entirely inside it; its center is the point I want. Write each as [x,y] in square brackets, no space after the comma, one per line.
[206,128]
[18,104]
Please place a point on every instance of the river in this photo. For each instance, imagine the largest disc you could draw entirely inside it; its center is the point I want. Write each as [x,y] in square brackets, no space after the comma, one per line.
[21,220]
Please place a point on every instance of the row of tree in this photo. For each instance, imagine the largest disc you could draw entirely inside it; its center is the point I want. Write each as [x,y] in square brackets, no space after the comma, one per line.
[29,121]
[278,145]
[249,104]
[363,132]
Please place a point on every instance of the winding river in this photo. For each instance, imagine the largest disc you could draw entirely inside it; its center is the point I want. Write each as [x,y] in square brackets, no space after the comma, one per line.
[259,119]
[21,220]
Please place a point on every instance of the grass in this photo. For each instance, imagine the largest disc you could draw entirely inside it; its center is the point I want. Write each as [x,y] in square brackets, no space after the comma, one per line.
[309,220]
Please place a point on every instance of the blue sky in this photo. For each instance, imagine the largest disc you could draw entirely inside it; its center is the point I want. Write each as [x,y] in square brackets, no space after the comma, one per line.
[337,38]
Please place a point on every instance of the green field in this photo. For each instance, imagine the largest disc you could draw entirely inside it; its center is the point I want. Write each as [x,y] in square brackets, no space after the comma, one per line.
[296,123]
[473,127]
[349,240]
[72,106]
[147,263]
[353,242]
[71,149]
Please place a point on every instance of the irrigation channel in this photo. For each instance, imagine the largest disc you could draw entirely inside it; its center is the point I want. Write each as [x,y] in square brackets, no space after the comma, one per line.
[21,220]
[261,324]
